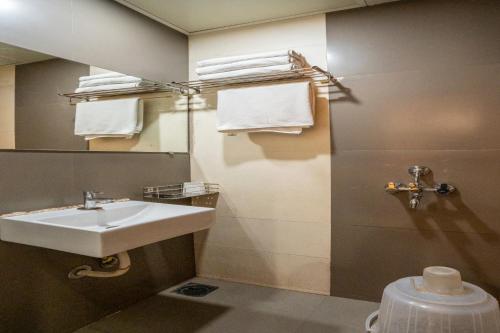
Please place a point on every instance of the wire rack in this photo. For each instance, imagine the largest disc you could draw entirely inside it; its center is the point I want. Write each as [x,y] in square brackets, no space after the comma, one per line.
[322,77]
[86,96]
[201,193]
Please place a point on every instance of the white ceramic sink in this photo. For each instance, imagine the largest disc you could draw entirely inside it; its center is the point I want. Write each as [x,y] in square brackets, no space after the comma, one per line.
[115,228]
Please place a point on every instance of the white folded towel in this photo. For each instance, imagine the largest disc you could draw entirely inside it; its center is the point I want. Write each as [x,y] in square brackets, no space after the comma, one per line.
[114,87]
[109,80]
[285,108]
[261,62]
[111,118]
[248,71]
[227,60]
[101,76]
[194,188]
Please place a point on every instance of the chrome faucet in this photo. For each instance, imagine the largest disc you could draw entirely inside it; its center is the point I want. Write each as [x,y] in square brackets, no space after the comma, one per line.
[416,189]
[90,200]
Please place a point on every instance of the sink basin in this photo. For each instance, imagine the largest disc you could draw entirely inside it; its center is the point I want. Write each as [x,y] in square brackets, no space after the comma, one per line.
[115,228]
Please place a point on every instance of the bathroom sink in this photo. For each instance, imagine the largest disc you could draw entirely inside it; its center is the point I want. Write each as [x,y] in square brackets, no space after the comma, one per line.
[117,227]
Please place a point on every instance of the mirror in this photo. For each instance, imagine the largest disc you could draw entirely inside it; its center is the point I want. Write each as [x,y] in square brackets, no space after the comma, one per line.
[34,114]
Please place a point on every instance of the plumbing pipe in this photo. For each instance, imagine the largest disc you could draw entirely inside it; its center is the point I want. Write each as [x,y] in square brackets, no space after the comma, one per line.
[86,271]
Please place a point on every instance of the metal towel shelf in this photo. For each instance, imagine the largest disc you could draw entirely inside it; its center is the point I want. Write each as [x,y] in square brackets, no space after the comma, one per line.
[321,77]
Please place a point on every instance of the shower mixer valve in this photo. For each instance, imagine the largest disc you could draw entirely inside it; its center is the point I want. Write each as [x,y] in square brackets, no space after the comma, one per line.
[415,188]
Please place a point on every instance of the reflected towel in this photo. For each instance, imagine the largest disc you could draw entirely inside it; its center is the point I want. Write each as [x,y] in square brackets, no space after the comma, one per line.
[114,87]
[248,71]
[109,80]
[227,60]
[111,118]
[101,76]
[284,108]
[263,62]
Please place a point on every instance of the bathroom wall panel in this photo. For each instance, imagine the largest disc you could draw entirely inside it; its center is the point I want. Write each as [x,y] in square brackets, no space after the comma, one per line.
[106,172]
[411,36]
[44,119]
[442,108]
[36,180]
[472,209]
[101,33]
[7,106]
[424,78]
[383,255]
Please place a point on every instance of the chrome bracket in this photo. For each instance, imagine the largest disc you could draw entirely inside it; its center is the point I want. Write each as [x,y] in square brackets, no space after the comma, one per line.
[416,189]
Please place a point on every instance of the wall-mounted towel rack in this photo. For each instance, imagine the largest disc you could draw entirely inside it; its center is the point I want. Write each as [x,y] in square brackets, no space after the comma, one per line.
[321,77]
[196,87]
[86,96]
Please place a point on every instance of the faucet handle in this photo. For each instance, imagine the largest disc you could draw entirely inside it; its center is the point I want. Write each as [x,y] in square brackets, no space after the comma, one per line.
[391,187]
[444,188]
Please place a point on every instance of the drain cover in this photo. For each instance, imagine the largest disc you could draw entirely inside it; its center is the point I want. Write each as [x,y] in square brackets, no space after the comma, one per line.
[195,289]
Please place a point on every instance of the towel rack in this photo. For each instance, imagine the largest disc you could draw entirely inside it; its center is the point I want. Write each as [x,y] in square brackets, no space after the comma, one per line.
[321,76]
[86,96]
[314,72]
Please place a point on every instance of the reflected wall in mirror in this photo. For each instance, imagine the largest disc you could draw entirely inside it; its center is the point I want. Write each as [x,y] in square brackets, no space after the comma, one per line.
[115,112]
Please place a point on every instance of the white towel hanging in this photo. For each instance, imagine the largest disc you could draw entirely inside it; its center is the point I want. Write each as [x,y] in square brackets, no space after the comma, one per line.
[111,118]
[284,108]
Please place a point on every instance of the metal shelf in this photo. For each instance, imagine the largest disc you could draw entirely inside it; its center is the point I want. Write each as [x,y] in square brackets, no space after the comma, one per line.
[86,96]
[180,191]
[320,77]
[196,194]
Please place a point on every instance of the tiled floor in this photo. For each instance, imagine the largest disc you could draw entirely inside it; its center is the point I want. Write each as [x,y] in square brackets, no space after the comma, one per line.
[238,308]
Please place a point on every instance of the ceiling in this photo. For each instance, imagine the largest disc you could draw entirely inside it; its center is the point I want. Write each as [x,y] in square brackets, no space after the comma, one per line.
[12,55]
[196,16]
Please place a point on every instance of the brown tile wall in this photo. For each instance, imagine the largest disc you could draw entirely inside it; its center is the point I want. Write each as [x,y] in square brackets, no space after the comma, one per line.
[101,33]
[35,291]
[424,76]
[45,120]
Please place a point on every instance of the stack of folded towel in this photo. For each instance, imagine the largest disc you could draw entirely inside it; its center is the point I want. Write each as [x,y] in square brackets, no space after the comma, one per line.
[110,81]
[250,64]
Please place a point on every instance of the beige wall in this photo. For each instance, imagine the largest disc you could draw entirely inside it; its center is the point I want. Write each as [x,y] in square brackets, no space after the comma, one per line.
[273,217]
[7,106]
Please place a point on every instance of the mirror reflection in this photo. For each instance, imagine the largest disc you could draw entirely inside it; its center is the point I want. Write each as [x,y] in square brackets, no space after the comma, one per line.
[107,111]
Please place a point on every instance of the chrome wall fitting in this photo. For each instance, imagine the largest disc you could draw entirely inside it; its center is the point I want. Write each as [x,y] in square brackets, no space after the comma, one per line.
[418,171]
[416,189]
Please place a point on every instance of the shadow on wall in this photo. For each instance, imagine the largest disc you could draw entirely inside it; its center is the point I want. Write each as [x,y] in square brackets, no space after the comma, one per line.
[452,212]
[272,145]
[342,94]
[336,95]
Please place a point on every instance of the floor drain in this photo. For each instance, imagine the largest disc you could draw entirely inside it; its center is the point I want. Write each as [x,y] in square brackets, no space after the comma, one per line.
[195,289]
